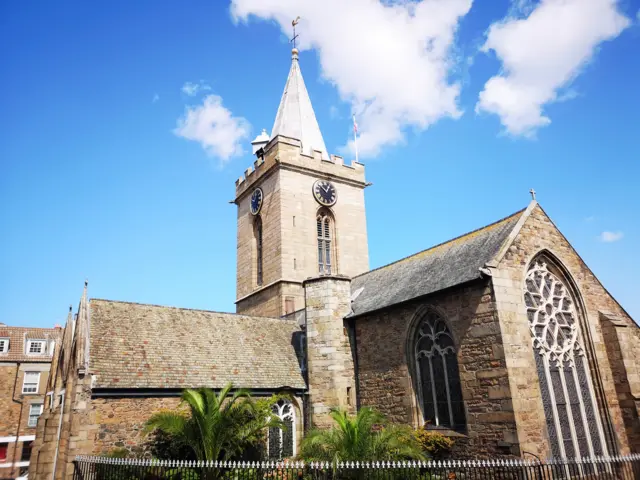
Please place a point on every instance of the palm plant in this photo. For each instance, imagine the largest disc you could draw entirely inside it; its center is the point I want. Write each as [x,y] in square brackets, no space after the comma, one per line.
[215,426]
[367,436]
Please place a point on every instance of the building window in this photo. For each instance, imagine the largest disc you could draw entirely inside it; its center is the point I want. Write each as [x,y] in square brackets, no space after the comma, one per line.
[31,382]
[4,345]
[25,456]
[258,234]
[281,441]
[573,423]
[35,410]
[35,347]
[3,451]
[438,376]
[324,226]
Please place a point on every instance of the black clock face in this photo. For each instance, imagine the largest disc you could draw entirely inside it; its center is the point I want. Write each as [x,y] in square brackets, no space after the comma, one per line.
[325,193]
[256,201]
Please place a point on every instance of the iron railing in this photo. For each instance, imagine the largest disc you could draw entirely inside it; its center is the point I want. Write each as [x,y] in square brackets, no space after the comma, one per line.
[609,468]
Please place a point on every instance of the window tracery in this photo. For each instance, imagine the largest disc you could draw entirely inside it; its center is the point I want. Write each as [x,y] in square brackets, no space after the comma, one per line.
[324,226]
[438,374]
[281,441]
[573,422]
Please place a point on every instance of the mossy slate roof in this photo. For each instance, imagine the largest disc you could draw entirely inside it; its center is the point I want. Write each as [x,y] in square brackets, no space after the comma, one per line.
[443,266]
[149,346]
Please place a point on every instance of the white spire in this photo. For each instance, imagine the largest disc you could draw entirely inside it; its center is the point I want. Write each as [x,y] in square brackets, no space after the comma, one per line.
[295,118]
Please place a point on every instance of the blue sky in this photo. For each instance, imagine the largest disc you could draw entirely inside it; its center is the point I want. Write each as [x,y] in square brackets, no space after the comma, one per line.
[96,181]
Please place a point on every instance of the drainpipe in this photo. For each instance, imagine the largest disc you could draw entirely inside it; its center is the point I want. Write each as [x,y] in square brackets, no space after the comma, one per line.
[13,398]
[55,458]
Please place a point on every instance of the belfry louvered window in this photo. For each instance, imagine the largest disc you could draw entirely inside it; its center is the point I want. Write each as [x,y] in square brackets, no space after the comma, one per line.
[438,375]
[573,423]
[258,233]
[324,229]
[281,441]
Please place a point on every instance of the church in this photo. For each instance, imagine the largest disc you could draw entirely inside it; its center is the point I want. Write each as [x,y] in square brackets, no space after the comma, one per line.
[501,338]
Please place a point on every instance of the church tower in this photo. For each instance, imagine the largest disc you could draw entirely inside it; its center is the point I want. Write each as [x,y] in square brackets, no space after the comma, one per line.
[301,211]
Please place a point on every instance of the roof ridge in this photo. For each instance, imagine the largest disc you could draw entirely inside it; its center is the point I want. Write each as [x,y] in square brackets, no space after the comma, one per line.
[27,328]
[190,309]
[508,217]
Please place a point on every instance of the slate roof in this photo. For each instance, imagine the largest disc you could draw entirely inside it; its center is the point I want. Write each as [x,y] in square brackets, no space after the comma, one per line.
[149,346]
[17,343]
[446,265]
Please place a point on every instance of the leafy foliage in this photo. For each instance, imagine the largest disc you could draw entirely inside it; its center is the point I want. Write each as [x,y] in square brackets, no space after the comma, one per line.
[216,426]
[366,436]
[434,443]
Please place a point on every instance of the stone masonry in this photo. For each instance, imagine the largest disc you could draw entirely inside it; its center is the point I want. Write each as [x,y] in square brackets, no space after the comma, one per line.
[385,377]
[288,214]
[538,233]
[329,359]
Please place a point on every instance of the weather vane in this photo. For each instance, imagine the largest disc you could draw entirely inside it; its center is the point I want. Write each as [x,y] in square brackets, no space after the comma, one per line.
[293,24]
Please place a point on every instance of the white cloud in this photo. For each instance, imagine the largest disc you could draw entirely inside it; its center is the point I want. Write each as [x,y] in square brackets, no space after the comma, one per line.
[214,127]
[155,98]
[391,62]
[191,89]
[590,218]
[541,54]
[609,237]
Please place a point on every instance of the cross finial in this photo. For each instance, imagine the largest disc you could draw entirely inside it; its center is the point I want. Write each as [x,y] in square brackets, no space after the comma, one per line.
[293,24]
[533,194]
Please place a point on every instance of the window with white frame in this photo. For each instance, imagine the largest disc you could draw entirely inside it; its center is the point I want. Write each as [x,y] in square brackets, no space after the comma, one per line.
[31,382]
[438,375]
[36,347]
[571,413]
[4,345]
[35,410]
[281,441]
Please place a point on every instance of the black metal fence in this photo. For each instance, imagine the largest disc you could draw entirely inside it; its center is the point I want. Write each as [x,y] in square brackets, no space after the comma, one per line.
[103,468]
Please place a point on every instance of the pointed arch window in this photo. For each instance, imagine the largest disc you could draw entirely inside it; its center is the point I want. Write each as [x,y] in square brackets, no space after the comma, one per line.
[324,228]
[258,235]
[281,441]
[573,423]
[439,386]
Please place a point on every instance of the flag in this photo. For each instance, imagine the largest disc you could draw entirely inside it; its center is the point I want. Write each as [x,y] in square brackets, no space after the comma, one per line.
[355,125]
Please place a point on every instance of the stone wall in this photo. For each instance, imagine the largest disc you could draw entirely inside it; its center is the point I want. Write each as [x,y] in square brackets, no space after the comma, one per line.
[538,233]
[290,249]
[329,358]
[622,341]
[385,379]
[121,422]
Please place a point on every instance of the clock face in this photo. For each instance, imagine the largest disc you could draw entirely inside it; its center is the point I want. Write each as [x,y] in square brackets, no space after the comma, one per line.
[256,201]
[325,192]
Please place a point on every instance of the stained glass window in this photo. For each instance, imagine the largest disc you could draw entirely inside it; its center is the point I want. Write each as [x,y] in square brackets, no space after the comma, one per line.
[439,378]
[258,233]
[573,425]
[281,442]
[324,229]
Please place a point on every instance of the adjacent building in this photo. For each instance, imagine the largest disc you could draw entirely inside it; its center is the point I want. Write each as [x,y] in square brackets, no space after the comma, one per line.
[25,363]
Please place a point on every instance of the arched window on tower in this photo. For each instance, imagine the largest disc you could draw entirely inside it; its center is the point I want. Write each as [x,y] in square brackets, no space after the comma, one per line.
[573,423]
[281,441]
[438,377]
[258,234]
[325,231]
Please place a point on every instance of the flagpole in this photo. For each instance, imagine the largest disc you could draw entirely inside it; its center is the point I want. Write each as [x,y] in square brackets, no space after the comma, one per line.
[355,137]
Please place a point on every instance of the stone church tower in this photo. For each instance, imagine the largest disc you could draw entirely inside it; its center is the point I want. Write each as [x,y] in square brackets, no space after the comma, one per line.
[301,211]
